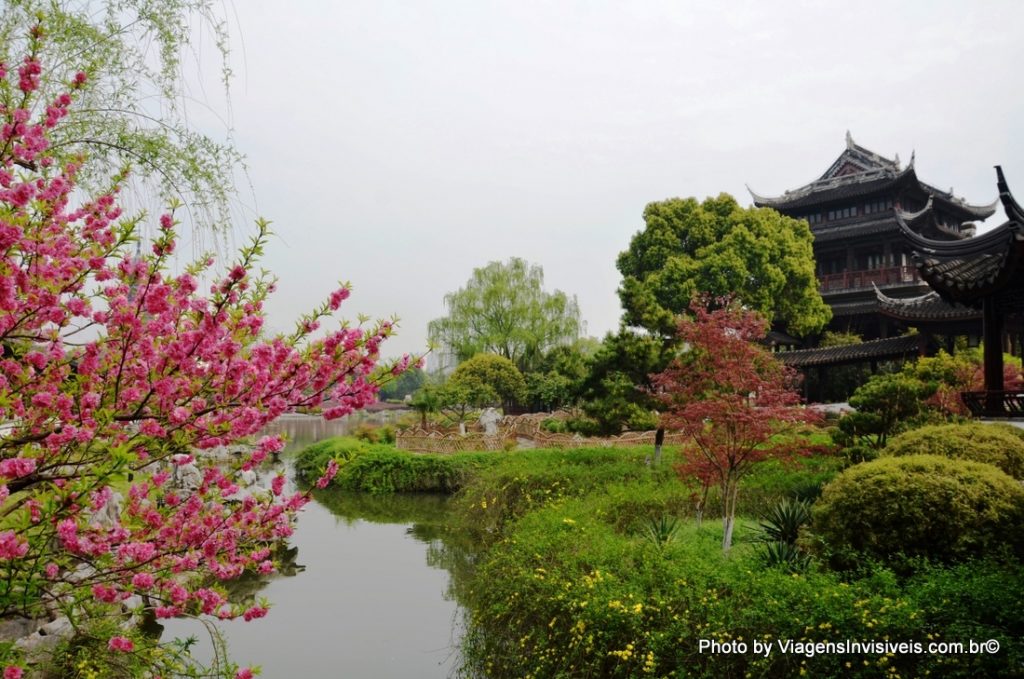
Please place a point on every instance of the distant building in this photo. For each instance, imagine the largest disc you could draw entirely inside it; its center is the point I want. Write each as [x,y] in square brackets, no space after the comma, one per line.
[441,361]
[863,264]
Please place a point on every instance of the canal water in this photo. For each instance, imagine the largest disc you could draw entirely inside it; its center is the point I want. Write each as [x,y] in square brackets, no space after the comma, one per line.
[365,590]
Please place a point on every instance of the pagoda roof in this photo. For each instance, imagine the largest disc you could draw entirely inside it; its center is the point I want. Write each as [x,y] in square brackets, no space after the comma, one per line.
[926,217]
[892,347]
[861,172]
[967,270]
[925,308]
[862,306]
[847,231]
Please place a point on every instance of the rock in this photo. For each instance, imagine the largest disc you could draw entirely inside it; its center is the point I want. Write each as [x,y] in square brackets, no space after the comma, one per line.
[40,644]
[16,628]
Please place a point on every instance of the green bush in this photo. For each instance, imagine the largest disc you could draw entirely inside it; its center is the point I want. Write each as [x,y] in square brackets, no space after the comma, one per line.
[375,433]
[312,460]
[554,425]
[975,441]
[773,480]
[395,471]
[568,595]
[896,508]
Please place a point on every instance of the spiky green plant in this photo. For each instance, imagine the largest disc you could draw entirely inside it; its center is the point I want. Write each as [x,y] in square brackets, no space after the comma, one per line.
[662,531]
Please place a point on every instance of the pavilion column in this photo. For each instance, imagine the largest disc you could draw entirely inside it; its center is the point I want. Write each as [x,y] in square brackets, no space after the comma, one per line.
[992,327]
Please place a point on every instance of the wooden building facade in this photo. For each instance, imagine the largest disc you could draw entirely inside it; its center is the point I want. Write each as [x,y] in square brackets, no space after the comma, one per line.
[857,211]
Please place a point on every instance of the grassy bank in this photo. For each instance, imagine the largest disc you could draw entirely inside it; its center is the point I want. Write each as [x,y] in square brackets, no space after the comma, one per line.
[570,582]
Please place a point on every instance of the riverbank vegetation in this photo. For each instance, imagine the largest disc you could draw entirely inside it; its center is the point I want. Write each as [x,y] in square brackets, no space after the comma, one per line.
[591,562]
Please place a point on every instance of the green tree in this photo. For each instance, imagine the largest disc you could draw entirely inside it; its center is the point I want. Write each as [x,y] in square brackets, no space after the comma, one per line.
[457,401]
[404,385]
[426,401]
[489,380]
[883,403]
[616,390]
[132,109]
[558,381]
[504,310]
[716,247]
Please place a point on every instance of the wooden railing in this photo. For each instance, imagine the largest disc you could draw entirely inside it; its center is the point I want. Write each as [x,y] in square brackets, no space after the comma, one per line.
[855,280]
[994,403]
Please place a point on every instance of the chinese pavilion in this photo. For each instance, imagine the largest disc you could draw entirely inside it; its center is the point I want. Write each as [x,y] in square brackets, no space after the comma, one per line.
[985,272]
[858,210]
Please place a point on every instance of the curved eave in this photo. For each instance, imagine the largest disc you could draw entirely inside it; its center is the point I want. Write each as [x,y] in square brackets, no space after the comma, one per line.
[929,307]
[1014,212]
[913,217]
[966,280]
[967,210]
[759,200]
[997,240]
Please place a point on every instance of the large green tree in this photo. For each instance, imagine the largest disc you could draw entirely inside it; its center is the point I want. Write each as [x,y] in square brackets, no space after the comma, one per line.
[504,310]
[686,248]
[134,107]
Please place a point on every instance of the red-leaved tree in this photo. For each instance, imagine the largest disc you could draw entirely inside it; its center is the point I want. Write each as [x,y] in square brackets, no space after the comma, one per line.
[117,377]
[730,396]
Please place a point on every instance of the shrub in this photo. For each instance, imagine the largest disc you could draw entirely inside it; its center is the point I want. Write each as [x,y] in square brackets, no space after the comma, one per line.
[374,433]
[974,441]
[312,460]
[884,404]
[584,426]
[554,425]
[568,595]
[919,506]
[782,523]
[386,470]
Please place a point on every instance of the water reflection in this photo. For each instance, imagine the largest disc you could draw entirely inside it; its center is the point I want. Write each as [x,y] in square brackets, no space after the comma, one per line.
[375,594]
[427,518]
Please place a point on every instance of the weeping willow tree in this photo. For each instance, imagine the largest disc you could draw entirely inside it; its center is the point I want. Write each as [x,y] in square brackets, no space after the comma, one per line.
[137,107]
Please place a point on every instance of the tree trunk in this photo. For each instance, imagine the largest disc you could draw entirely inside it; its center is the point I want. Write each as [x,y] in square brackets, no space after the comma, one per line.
[462,428]
[730,489]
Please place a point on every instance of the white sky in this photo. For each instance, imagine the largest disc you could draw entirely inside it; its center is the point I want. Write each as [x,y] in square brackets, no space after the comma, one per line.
[399,145]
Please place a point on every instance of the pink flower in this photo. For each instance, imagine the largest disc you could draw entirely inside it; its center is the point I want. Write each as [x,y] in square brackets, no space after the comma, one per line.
[13,672]
[16,467]
[337,297]
[277,485]
[11,547]
[244,673]
[255,612]
[142,580]
[329,473]
[122,644]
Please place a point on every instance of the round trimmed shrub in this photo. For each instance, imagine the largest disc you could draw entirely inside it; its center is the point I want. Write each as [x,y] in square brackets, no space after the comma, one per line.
[976,441]
[919,506]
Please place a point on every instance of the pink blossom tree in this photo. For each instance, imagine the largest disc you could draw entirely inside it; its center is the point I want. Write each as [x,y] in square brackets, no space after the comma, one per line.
[730,396]
[114,372]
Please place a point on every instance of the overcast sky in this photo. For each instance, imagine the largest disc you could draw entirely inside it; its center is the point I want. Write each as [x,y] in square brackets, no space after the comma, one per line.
[398,145]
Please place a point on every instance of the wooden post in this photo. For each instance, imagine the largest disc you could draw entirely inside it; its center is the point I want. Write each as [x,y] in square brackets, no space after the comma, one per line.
[992,328]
